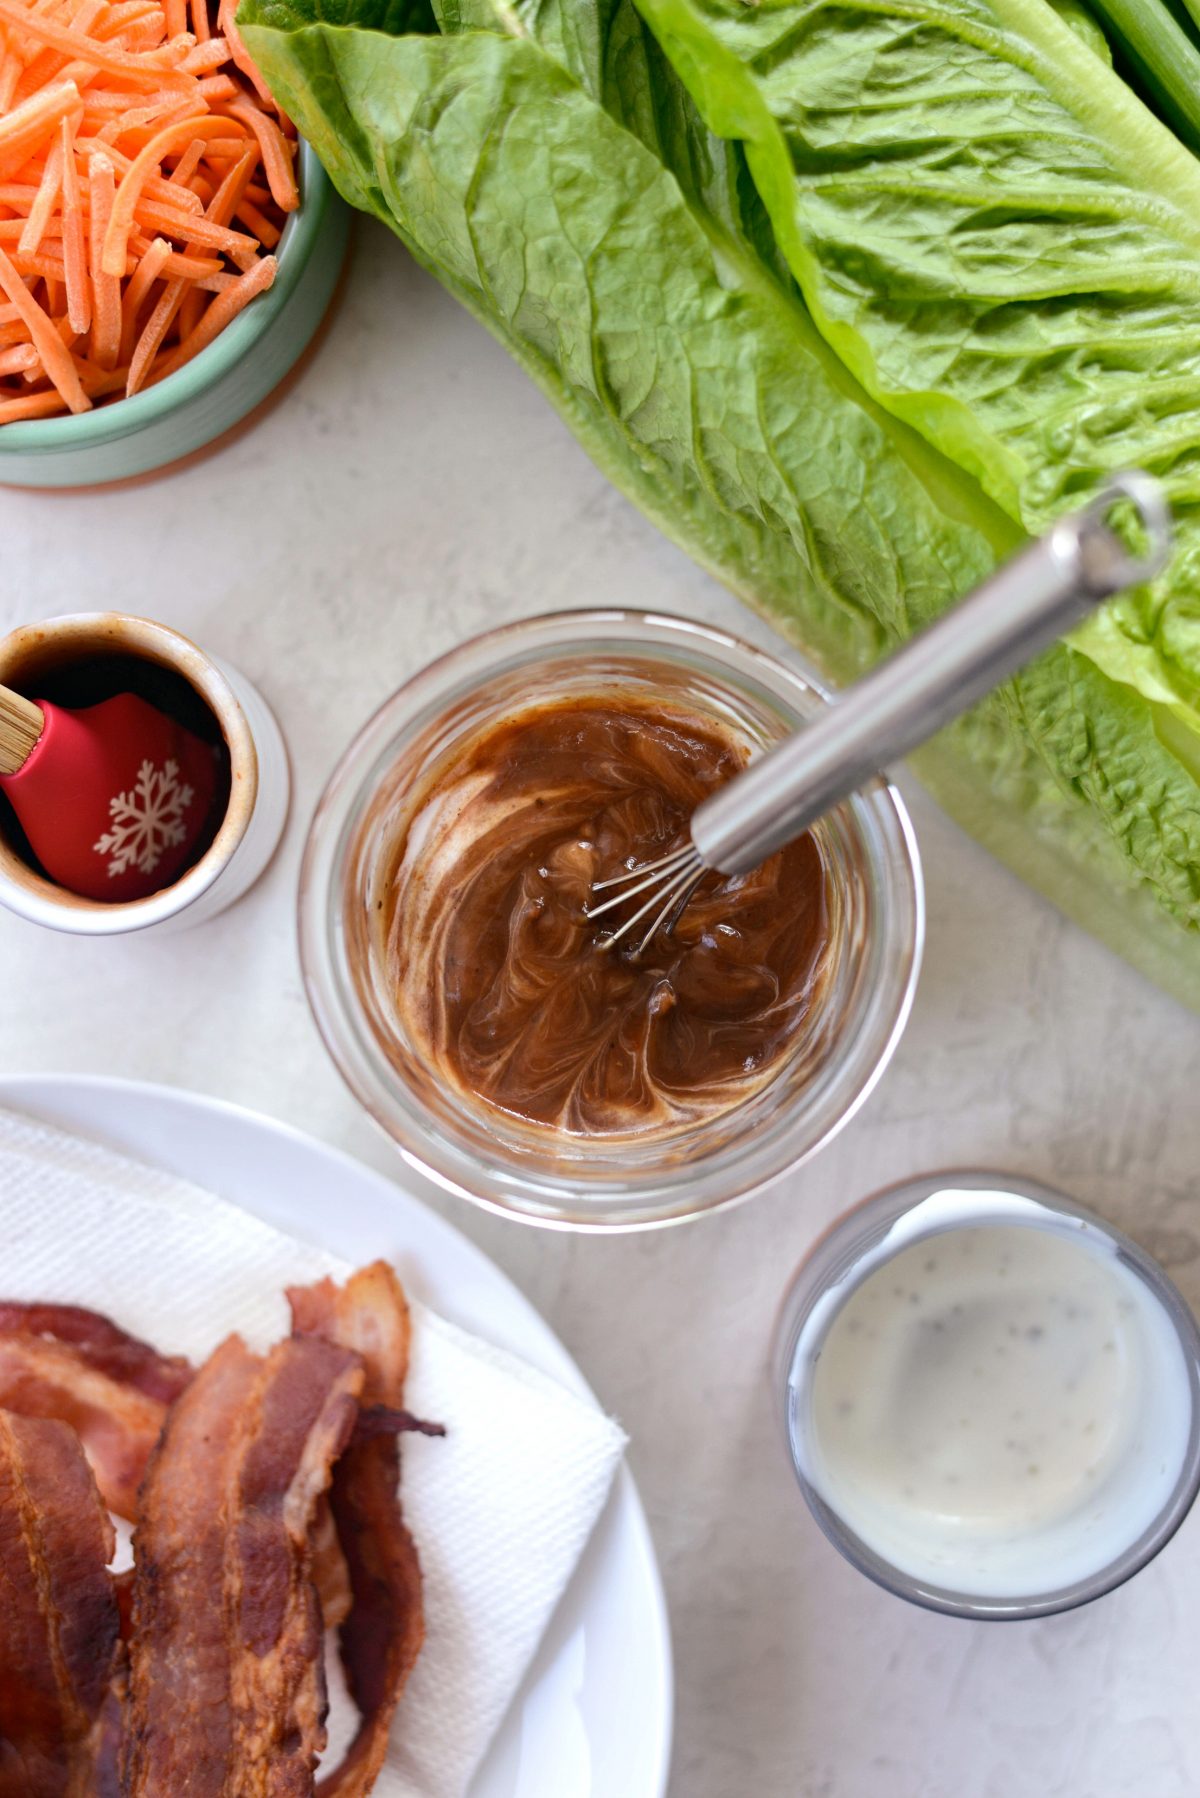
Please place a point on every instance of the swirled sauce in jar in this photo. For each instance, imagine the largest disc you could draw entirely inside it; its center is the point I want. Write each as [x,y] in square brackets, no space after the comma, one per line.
[493,972]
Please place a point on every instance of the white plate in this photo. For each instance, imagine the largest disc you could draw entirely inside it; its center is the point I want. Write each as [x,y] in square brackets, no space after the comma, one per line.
[593,1718]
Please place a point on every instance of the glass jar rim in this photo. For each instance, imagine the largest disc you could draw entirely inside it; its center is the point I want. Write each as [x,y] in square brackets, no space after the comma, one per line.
[842,1258]
[689,1187]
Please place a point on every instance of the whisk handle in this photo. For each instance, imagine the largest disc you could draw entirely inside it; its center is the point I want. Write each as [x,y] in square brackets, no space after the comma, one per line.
[1044,591]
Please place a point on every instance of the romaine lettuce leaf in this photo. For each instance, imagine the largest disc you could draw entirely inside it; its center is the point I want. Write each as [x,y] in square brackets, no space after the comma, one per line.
[550,166]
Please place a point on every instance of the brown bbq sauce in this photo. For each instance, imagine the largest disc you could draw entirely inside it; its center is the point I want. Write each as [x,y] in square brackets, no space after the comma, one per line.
[498,970]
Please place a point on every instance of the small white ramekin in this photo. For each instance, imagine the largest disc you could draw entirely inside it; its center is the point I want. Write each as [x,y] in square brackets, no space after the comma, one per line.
[260,782]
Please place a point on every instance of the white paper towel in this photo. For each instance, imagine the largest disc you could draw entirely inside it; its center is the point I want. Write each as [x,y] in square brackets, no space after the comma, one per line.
[500,1508]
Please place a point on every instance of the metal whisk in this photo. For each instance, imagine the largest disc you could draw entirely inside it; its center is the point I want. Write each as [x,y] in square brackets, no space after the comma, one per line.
[1044,591]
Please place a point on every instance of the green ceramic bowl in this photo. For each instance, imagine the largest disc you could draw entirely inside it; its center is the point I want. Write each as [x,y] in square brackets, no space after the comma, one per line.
[224,383]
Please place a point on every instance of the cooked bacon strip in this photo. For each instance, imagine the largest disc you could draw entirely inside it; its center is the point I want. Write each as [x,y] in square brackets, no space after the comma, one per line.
[226,1686]
[180,1720]
[385,1420]
[117,1425]
[107,1771]
[382,1636]
[61,1361]
[59,1637]
[102,1344]
[331,1576]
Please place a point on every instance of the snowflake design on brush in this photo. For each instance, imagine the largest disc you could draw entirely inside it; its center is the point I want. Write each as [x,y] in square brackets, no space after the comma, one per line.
[146,820]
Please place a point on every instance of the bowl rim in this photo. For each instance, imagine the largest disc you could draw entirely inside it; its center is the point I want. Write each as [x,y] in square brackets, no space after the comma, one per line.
[107,424]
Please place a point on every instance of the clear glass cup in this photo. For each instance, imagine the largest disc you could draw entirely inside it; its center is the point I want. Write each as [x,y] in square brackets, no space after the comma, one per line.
[606,1182]
[854,1249]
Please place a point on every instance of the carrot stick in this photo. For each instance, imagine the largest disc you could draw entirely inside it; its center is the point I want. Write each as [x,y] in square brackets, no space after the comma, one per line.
[224,308]
[208,55]
[44,266]
[55,358]
[187,165]
[118,19]
[277,162]
[106,285]
[180,266]
[129,192]
[199,230]
[128,149]
[262,227]
[146,70]
[142,280]
[153,332]
[30,122]
[217,87]
[227,198]
[79,288]
[16,360]
[10,74]
[36,405]
[43,206]
[155,185]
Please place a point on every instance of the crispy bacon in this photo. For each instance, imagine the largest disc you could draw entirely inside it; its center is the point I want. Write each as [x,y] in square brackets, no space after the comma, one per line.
[226,1686]
[385,1420]
[331,1576]
[59,1641]
[117,1425]
[102,1344]
[382,1636]
[64,1362]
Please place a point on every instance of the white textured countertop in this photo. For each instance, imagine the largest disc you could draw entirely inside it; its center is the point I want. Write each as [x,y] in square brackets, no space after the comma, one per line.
[411,490]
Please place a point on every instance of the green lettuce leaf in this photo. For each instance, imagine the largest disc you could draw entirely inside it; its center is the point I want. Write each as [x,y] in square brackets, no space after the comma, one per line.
[694,377]
[589,203]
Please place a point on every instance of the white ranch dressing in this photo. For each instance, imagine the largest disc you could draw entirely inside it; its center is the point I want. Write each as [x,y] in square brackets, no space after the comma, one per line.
[1000,1408]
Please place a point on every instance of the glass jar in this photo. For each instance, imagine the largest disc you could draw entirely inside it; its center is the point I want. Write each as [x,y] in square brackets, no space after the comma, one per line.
[863,1242]
[532,1172]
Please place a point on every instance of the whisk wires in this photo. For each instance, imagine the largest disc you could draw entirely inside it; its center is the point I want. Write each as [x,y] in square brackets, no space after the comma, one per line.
[670,882]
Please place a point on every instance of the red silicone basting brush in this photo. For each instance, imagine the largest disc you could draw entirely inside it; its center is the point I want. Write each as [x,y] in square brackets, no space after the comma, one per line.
[112,797]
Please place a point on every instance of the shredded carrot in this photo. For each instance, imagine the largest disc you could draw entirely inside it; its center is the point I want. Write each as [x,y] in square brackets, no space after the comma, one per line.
[145,172]
[17,359]
[75,277]
[277,162]
[35,405]
[222,311]
[263,229]
[118,19]
[49,345]
[37,119]
[156,186]
[147,160]
[206,55]
[188,163]
[40,212]
[195,227]
[227,25]
[106,285]
[147,272]
[147,67]
[184,267]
